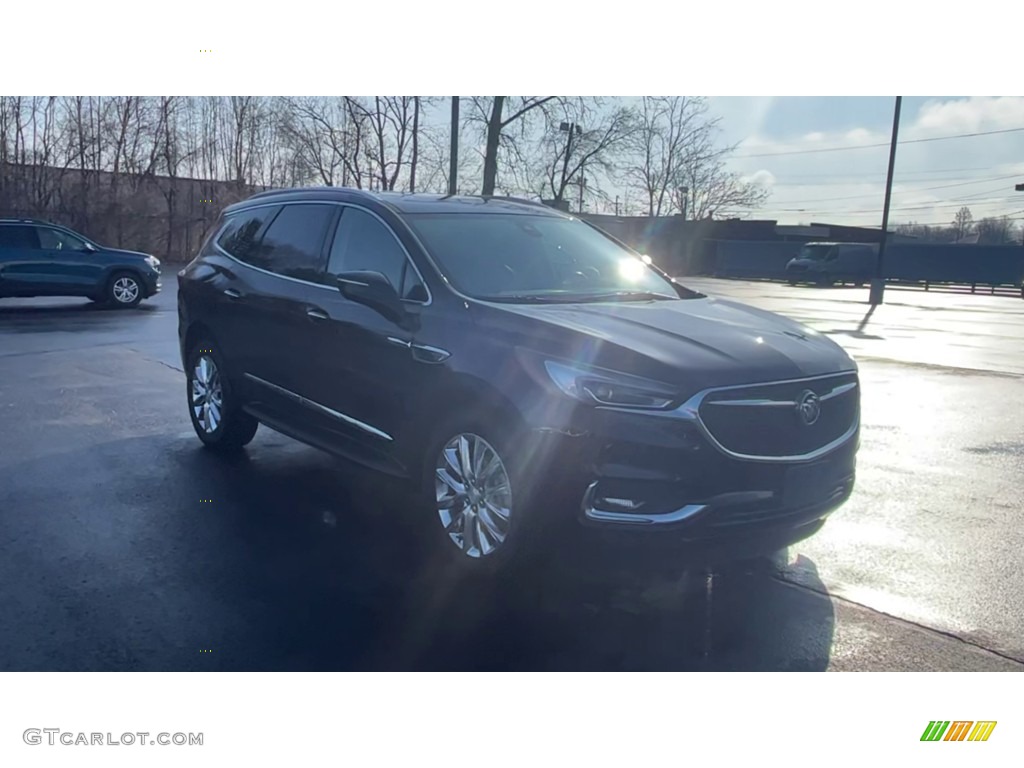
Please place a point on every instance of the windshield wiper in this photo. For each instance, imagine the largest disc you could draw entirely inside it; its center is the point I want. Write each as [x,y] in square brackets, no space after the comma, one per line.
[575,298]
[625,296]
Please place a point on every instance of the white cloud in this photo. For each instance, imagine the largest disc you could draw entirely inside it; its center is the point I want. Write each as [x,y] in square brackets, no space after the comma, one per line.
[762,178]
[932,178]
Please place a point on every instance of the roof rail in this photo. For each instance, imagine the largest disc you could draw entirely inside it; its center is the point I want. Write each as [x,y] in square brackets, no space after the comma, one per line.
[20,220]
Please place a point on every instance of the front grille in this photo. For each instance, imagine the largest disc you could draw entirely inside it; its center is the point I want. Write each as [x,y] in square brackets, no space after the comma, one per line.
[765,420]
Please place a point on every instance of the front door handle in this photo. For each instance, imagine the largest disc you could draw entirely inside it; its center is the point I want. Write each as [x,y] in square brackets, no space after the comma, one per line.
[316,314]
[423,353]
[231,293]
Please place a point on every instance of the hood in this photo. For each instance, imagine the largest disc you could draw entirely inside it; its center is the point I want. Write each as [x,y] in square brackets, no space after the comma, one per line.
[123,253]
[694,343]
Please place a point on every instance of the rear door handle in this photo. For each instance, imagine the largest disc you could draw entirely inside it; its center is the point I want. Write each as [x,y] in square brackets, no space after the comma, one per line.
[231,293]
[316,314]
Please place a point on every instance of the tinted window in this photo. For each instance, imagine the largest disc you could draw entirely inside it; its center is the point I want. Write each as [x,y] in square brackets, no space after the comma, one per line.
[293,241]
[523,256]
[56,240]
[363,243]
[18,237]
[239,235]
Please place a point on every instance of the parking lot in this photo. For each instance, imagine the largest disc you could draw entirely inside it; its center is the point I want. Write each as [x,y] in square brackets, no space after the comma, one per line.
[125,546]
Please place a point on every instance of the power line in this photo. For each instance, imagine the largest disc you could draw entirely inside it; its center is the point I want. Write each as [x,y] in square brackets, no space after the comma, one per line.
[903,173]
[916,206]
[875,146]
[922,189]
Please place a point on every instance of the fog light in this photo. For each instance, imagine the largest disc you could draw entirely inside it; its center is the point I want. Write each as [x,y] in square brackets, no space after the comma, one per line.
[617,505]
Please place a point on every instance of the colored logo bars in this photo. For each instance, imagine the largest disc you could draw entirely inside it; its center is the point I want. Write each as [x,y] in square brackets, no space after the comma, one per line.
[958,730]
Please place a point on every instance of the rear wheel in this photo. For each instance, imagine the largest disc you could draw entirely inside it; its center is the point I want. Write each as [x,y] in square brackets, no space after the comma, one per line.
[124,290]
[216,414]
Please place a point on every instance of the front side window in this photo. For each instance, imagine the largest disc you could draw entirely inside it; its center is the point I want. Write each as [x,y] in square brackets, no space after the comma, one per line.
[293,242]
[816,252]
[524,257]
[57,240]
[363,243]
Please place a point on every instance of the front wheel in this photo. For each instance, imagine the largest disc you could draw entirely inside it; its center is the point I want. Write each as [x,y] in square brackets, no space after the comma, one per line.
[216,414]
[124,290]
[476,498]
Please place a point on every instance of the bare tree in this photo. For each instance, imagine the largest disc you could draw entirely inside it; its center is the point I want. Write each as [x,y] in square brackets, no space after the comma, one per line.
[490,110]
[666,130]
[677,164]
[996,230]
[963,222]
[390,120]
[582,136]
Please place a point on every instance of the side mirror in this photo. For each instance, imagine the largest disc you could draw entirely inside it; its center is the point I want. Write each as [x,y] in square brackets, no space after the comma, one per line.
[89,248]
[373,290]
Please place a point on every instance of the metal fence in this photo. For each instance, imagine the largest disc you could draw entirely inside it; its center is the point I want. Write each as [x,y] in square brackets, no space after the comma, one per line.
[996,265]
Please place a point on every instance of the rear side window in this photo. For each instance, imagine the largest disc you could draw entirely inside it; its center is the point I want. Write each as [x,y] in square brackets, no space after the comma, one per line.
[363,243]
[294,241]
[56,240]
[18,236]
[239,236]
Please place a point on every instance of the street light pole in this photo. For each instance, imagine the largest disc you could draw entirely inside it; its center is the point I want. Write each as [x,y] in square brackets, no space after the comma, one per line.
[684,196]
[878,282]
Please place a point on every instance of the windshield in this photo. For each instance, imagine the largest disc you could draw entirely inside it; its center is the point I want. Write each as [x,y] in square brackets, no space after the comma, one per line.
[814,252]
[517,257]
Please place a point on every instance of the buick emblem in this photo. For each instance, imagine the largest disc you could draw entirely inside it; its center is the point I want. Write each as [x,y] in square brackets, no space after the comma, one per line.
[808,407]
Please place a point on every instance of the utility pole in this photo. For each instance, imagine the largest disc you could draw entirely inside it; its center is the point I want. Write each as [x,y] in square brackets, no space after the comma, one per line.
[453,167]
[616,205]
[878,283]
[684,195]
[1020,188]
[583,183]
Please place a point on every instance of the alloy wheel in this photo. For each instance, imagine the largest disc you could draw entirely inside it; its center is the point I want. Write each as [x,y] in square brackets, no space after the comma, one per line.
[474,495]
[126,290]
[207,394]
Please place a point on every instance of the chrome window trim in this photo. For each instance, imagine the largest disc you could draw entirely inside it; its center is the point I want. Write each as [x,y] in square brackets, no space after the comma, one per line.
[408,257]
[322,408]
[690,411]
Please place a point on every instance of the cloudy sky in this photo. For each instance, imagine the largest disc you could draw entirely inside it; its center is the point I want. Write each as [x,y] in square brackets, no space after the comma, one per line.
[777,139]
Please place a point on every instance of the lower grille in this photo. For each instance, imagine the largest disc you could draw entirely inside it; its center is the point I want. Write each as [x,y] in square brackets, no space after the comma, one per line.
[783,420]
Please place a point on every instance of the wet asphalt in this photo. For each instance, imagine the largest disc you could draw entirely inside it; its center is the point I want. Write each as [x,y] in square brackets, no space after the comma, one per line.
[125,546]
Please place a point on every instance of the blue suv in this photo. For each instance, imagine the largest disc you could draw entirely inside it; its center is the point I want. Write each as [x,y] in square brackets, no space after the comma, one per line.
[42,259]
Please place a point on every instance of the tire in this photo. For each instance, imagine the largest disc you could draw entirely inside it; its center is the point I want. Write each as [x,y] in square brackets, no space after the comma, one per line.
[792,281]
[124,290]
[825,281]
[215,413]
[495,543]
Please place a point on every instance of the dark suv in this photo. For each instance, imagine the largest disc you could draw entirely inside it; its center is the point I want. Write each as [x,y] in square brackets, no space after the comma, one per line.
[539,385]
[41,259]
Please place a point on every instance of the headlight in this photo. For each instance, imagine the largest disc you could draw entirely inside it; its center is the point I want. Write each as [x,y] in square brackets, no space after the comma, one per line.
[153,262]
[601,387]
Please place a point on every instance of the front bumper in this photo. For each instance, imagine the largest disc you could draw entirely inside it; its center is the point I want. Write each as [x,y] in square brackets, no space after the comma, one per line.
[661,483]
[151,281]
